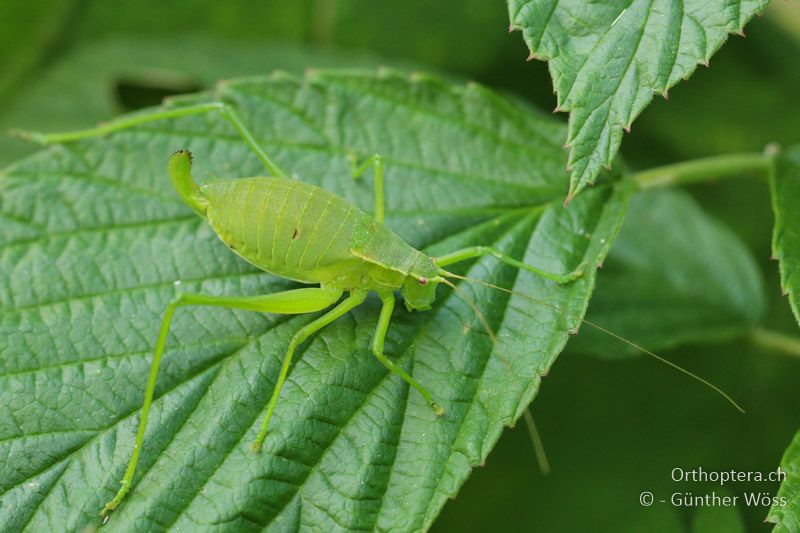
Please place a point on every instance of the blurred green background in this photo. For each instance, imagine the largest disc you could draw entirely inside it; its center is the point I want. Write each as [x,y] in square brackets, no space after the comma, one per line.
[612,428]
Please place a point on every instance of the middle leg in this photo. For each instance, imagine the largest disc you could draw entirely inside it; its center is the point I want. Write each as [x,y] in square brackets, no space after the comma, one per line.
[377,351]
[355,299]
[376,161]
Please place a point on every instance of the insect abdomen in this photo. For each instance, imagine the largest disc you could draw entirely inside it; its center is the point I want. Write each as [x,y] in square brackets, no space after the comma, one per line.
[285,226]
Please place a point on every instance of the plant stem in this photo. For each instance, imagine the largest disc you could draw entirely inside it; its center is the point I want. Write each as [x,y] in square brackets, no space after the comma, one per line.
[777,341]
[702,170]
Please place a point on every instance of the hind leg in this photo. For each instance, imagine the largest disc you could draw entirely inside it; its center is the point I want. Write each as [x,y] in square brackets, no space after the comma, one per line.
[295,301]
[226,111]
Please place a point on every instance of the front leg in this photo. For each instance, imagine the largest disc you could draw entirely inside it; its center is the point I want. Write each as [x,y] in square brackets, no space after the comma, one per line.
[479,251]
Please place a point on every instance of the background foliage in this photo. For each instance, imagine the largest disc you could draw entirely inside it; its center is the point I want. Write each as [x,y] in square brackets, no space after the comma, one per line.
[609,437]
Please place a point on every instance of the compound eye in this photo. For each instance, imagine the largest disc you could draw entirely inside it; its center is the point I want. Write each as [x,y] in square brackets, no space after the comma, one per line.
[423,281]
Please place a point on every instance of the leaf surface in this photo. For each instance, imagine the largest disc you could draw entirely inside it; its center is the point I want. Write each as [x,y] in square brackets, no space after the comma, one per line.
[695,281]
[95,243]
[785,186]
[608,58]
[786,517]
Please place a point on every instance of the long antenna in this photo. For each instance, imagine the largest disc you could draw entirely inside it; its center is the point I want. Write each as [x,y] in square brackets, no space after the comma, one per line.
[536,440]
[598,327]
[481,319]
[475,309]
[666,362]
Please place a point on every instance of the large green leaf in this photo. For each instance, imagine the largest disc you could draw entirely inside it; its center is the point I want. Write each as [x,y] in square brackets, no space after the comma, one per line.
[695,282]
[608,58]
[785,184]
[95,243]
[786,511]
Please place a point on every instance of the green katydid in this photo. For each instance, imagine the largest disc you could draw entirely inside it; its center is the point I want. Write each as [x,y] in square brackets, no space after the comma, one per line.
[305,233]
